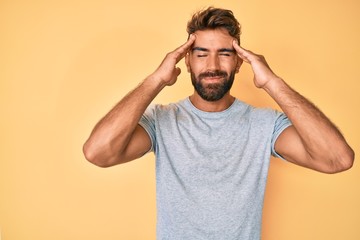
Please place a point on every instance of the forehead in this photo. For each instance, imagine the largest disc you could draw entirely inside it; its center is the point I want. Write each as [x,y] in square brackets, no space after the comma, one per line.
[213,39]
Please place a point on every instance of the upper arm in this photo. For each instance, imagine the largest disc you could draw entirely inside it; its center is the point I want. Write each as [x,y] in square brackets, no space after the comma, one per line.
[290,146]
[138,145]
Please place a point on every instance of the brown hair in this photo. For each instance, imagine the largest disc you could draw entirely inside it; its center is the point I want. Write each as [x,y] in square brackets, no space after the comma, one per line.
[212,18]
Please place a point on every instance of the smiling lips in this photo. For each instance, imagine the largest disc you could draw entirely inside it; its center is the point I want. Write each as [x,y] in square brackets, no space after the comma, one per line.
[212,79]
[213,76]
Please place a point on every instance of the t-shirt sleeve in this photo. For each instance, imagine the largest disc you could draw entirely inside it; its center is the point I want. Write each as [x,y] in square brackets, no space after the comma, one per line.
[147,121]
[281,123]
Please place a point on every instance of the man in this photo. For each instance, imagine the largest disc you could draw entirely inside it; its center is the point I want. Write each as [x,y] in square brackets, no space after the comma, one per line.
[212,150]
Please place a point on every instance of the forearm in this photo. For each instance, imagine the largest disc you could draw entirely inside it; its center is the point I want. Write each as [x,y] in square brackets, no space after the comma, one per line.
[112,133]
[320,137]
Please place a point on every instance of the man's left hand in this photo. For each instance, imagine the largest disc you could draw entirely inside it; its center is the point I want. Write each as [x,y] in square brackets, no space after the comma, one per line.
[262,72]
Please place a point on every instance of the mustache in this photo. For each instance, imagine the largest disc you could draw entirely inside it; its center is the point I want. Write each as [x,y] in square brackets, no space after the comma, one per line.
[216,73]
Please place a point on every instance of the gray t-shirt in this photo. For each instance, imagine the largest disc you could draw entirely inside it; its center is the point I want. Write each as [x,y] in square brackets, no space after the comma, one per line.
[211,168]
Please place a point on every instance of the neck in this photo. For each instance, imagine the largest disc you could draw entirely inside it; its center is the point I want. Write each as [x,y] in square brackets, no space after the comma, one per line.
[212,106]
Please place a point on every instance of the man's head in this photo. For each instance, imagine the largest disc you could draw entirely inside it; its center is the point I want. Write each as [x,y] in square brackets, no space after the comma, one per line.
[212,60]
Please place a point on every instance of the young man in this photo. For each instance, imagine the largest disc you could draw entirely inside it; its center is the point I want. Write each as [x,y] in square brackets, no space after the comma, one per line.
[212,150]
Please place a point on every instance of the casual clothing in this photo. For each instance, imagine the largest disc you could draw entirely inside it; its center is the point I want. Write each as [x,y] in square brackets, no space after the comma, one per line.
[211,168]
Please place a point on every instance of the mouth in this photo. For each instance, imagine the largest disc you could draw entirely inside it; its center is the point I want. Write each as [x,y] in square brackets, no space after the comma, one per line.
[213,79]
[213,76]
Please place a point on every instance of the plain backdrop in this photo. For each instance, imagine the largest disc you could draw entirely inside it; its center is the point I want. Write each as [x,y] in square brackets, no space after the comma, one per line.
[65,64]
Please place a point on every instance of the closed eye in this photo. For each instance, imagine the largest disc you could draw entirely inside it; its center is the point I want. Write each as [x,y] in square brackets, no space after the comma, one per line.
[227,52]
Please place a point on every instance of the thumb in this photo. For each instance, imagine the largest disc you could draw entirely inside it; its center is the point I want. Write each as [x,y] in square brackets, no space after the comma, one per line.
[177,71]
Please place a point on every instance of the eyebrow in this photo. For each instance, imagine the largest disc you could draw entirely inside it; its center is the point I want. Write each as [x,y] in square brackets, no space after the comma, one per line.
[199,49]
[232,50]
[207,50]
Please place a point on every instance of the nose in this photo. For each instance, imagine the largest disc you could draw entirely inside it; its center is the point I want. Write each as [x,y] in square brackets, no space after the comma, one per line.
[213,62]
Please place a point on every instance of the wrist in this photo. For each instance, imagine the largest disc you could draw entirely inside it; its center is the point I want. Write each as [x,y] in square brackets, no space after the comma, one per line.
[274,86]
[154,82]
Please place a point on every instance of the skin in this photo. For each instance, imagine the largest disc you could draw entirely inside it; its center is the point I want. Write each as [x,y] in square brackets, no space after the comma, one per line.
[211,52]
[313,141]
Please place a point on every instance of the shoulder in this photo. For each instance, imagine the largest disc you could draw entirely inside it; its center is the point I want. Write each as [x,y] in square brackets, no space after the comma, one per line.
[165,108]
[256,113]
[157,111]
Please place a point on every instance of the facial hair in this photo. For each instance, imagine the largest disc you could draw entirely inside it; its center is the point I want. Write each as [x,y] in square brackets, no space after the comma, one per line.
[213,91]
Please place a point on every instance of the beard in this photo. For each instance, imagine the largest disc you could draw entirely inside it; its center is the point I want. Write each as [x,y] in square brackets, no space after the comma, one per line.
[213,91]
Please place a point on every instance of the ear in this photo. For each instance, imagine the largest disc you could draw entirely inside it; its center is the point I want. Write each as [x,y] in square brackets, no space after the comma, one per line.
[238,65]
[187,62]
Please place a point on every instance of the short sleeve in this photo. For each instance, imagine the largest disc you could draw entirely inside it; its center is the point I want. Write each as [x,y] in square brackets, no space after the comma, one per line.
[147,121]
[281,123]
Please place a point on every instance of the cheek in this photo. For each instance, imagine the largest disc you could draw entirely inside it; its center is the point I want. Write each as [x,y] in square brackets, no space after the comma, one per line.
[195,64]
[228,64]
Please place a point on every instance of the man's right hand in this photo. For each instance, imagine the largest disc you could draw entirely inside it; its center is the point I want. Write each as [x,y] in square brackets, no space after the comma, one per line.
[167,72]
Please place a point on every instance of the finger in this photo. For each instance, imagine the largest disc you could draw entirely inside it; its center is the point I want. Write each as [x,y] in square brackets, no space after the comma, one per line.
[177,71]
[244,54]
[181,51]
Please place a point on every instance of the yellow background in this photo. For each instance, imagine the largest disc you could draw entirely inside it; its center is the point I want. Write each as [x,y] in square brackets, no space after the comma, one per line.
[64,64]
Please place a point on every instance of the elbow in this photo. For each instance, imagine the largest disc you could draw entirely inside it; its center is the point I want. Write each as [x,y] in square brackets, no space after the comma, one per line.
[343,162]
[91,155]
[95,157]
[348,160]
